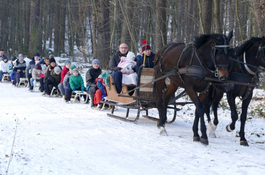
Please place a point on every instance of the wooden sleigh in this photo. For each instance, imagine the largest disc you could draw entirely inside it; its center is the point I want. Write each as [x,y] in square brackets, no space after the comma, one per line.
[142,98]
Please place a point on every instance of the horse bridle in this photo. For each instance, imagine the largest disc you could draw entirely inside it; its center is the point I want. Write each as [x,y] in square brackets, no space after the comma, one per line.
[213,56]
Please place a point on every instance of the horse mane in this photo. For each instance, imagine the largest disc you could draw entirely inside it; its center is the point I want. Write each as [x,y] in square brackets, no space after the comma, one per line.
[200,40]
[244,47]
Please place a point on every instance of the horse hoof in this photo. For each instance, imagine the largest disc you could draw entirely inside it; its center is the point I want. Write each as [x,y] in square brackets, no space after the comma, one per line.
[204,141]
[228,128]
[243,143]
[163,131]
[196,139]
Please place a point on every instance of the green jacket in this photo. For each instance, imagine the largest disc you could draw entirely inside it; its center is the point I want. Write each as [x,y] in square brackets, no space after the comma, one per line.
[76,82]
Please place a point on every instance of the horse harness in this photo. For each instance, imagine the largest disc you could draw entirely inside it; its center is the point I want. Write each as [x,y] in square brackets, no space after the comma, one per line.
[248,75]
[200,70]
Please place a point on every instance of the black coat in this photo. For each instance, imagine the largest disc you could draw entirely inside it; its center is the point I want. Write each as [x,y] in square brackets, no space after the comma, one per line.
[91,76]
[114,61]
[149,61]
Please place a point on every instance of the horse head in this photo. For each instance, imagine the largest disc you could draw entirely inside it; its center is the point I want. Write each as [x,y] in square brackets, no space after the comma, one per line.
[219,49]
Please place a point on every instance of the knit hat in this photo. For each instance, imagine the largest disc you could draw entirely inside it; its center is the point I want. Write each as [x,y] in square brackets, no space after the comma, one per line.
[130,55]
[95,61]
[52,60]
[57,69]
[14,58]
[72,67]
[5,58]
[51,56]
[145,45]
[67,62]
[38,66]
[75,70]
[20,59]
[37,54]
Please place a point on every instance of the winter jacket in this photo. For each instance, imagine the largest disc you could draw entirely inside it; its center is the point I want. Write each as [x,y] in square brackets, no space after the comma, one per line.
[20,68]
[56,78]
[36,74]
[66,79]
[76,82]
[63,73]
[49,72]
[91,76]
[4,66]
[114,61]
[149,61]
[30,67]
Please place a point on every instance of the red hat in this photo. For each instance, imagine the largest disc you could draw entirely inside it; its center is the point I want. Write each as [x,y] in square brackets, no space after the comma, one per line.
[145,45]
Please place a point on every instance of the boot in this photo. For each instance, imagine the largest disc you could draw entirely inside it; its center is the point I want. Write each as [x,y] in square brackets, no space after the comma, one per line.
[31,88]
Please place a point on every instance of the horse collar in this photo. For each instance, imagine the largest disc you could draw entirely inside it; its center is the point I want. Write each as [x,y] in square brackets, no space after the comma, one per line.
[246,66]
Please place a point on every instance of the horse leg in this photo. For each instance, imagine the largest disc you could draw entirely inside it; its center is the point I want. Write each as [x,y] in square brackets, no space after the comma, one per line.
[166,98]
[234,115]
[199,115]
[160,107]
[207,102]
[243,118]
[216,100]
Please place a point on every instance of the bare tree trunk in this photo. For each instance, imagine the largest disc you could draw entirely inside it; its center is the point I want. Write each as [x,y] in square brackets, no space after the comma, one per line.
[180,21]
[40,27]
[216,16]
[3,39]
[205,14]
[189,22]
[259,9]
[232,17]
[57,27]
[239,22]
[160,25]
[103,29]
[34,28]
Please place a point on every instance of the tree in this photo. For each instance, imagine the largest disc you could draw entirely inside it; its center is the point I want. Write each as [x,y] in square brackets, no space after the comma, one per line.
[259,12]
[160,25]
[103,44]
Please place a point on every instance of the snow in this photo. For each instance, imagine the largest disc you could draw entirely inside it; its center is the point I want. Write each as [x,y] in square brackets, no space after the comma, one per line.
[44,135]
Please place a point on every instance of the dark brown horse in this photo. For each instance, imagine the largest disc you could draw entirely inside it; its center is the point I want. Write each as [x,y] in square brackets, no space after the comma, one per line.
[187,66]
[244,68]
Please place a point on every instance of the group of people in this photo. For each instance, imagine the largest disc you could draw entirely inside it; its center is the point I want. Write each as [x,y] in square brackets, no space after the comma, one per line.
[123,64]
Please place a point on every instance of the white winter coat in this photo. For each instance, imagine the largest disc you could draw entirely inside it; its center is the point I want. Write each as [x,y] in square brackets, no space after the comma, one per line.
[4,66]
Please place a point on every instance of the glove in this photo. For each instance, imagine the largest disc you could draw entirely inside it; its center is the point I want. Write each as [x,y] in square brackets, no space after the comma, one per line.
[73,90]
[103,97]
[87,88]
[82,90]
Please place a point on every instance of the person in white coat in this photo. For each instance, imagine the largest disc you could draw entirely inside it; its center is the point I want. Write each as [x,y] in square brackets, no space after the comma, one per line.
[4,67]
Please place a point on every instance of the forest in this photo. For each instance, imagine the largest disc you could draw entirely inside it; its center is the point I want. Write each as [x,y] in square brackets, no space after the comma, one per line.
[94,28]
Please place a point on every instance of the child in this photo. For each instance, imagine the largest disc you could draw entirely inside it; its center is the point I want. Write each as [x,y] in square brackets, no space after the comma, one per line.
[63,73]
[19,70]
[4,67]
[76,81]
[100,93]
[53,80]
[91,76]
[68,90]
[36,76]
[127,64]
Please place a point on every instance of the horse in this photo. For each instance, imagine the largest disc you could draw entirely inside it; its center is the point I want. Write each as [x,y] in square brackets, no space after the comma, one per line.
[187,66]
[243,68]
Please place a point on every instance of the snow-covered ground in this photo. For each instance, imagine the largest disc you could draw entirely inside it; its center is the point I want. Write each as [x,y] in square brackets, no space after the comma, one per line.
[42,135]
